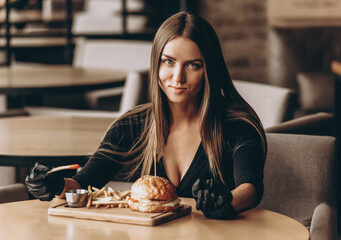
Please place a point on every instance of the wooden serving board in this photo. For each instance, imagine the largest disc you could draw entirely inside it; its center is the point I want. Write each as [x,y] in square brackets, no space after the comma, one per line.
[119,215]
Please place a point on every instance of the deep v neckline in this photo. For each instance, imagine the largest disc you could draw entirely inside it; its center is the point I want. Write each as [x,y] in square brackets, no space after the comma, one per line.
[185,176]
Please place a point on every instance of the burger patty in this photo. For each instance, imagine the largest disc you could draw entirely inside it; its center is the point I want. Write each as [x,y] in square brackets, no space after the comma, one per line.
[156,202]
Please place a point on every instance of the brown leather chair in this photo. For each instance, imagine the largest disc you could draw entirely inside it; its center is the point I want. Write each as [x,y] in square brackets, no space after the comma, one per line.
[300,181]
[13,192]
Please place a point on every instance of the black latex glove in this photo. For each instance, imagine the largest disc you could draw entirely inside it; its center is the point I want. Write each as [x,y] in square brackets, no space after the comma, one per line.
[213,199]
[42,185]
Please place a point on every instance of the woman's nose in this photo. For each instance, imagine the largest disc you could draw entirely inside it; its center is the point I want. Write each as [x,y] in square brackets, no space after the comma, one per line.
[178,75]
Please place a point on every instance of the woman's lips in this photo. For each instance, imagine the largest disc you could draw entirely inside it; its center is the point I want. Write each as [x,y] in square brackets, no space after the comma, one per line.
[178,89]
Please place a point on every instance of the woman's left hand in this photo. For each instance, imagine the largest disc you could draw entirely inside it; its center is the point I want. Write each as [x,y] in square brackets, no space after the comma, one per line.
[213,199]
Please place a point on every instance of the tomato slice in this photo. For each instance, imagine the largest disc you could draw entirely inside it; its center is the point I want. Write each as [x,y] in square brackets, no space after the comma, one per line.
[133,200]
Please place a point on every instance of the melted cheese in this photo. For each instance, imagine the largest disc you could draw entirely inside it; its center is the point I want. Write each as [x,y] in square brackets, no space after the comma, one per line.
[171,203]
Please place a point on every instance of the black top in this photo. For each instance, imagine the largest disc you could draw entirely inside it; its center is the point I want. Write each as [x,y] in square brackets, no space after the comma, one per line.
[243,157]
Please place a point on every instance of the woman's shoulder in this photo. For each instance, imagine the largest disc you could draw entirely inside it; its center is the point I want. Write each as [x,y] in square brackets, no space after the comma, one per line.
[240,130]
[238,124]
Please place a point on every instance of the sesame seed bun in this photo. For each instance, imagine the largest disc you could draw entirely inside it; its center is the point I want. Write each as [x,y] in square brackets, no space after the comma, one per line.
[153,194]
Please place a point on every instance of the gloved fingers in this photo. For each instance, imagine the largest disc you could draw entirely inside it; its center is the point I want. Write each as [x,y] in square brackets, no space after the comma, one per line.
[213,186]
[221,189]
[218,186]
[35,177]
[225,211]
[213,196]
[33,184]
[54,183]
[219,202]
[206,199]
[43,194]
[202,184]
[199,200]
[212,201]
[208,186]
[225,193]
[39,191]
[196,187]
[40,167]
[38,172]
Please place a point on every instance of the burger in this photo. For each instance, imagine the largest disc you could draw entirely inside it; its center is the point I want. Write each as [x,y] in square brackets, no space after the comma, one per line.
[153,194]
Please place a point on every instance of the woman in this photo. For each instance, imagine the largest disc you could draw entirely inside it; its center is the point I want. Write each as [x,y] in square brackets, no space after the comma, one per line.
[206,139]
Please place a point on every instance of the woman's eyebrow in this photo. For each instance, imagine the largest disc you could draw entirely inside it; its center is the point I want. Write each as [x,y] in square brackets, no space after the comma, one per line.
[173,58]
[195,60]
[168,56]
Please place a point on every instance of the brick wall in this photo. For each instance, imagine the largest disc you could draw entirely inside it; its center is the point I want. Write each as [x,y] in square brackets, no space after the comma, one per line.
[241,26]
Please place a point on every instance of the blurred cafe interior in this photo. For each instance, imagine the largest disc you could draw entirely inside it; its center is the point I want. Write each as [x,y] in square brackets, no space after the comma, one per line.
[89,59]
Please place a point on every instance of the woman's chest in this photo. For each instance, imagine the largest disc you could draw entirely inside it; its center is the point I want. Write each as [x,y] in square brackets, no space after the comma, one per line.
[178,154]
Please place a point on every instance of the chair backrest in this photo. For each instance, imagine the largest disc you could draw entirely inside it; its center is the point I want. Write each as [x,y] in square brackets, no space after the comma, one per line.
[131,56]
[321,123]
[100,7]
[273,104]
[110,7]
[124,55]
[13,192]
[135,91]
[93,23]
[299,174]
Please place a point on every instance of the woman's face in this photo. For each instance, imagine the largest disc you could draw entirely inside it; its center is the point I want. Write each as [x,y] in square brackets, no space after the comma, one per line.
[181,71]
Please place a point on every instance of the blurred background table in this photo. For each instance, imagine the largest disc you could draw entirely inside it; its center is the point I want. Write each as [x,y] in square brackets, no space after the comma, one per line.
[41,79]
[30,220]
[57,140]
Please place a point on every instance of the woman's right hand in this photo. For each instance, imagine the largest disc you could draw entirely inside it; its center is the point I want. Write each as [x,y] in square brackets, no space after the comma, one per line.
[44,185]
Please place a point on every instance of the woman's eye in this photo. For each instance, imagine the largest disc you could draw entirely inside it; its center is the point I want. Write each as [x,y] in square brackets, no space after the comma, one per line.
[194,66]
[167,61]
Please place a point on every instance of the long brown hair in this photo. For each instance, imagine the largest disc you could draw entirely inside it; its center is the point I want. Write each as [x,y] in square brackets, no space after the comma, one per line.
[220,102]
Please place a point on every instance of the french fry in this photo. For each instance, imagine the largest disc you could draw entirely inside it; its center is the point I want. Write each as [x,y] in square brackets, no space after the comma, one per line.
[107,202]
[118,197]
[107,198]
[102,199]
[88,204]
[72,166]
[110,190]
[98,193]
[124,194]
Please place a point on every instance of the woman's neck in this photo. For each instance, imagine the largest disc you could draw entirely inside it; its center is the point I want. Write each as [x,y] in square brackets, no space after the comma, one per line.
[183,115]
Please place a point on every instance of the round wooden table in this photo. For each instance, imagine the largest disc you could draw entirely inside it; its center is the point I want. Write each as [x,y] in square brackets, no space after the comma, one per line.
[30,220]
[38,78]
[59,140]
